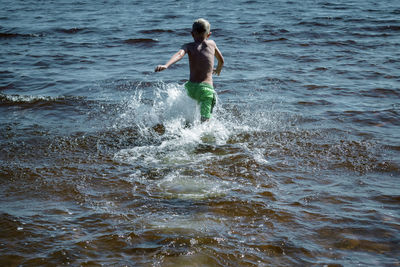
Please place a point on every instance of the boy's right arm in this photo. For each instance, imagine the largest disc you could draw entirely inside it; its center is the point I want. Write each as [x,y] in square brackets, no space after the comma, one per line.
[175,58]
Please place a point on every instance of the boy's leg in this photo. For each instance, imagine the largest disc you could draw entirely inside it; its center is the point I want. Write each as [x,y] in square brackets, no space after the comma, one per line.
[206,107]
[205,95]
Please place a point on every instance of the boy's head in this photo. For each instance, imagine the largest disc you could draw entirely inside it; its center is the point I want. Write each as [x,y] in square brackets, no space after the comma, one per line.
[201,28]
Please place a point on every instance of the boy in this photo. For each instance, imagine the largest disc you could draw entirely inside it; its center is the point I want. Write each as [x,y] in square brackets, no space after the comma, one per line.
[201,54]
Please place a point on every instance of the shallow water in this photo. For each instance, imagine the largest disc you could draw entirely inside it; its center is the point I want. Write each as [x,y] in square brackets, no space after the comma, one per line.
[104,162]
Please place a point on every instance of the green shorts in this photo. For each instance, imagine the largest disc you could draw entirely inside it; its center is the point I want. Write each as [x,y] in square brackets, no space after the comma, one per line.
[204,94]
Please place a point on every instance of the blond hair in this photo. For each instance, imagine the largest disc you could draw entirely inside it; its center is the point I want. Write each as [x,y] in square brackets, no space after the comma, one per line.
[201,26]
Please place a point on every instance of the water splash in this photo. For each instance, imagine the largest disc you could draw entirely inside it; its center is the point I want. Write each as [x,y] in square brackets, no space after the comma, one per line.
[169,122]
[166,104]
[173,118]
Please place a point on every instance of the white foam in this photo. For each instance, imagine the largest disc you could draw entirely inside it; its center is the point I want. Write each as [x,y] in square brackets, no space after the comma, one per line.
[166,104]
[179,116]
[176,185]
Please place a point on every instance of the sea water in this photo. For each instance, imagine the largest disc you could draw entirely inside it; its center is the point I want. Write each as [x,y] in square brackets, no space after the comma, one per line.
[104,162]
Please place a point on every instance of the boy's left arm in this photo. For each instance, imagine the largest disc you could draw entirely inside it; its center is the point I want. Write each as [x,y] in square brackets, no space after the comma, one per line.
[175,58]
[220,59]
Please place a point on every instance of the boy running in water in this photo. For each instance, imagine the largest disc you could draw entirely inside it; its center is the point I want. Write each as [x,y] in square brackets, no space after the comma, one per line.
[201,54]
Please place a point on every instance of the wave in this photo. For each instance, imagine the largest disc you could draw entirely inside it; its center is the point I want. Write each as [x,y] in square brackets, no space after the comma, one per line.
[315,86]
[9,35]
[378,118]
[30,101]
[319,102]
[70,30]
[370,35]
[13,35]
[282,39]
[141,41]
[340,43]
[155,31]
[314,23]
[380,29]
[129,85]
[380,93]
[10,85]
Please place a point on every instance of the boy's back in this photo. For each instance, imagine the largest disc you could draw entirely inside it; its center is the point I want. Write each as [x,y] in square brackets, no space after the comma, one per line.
[201,60]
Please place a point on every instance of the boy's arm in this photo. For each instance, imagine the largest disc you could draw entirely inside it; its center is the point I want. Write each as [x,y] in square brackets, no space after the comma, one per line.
[175,58]
[220,59]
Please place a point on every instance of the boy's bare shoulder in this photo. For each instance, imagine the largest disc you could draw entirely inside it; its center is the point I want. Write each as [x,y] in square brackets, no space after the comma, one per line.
[185,47]
[191,45]
[211,42]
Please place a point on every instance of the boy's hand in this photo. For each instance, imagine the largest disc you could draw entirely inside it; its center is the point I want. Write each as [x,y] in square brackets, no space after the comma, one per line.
[217,71]
[160,68]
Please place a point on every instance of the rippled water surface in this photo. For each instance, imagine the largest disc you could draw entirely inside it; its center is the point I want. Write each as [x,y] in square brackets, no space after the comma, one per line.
[104,162]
